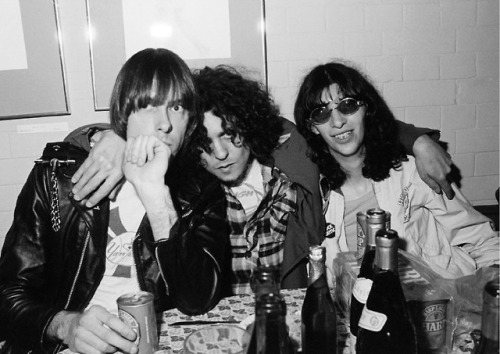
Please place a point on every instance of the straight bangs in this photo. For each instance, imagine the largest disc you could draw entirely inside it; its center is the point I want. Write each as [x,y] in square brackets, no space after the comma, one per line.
[156,87]
[150,77]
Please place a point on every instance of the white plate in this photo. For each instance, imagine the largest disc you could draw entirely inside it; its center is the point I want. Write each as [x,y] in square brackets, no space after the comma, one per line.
[247,322]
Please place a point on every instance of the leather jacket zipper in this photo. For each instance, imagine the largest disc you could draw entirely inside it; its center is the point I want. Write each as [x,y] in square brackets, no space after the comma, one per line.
[72,289]
[87,238]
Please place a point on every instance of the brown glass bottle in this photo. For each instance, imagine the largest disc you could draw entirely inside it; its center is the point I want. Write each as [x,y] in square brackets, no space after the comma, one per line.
[376,219]
[319,318]
[385,325]
[270,333]
[489,323]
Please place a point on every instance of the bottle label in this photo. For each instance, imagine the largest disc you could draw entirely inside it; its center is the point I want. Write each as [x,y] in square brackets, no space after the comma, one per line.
[361,289]
[372,320]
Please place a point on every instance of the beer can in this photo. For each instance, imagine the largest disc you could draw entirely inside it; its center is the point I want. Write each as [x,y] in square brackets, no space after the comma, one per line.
[375,220]
[380,217]
[137,310]
[387,220]
[361,234]
[430,318]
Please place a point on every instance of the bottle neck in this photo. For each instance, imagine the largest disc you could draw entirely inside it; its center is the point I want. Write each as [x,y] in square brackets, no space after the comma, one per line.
[372,231]
[264,280]
[386,258]
[270,332]
[316,270]
[490,315]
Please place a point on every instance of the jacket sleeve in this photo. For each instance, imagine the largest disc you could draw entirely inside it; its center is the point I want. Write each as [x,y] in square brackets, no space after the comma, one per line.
[82,136]
[408,134]
[468,234]
[24,316]
[196,260]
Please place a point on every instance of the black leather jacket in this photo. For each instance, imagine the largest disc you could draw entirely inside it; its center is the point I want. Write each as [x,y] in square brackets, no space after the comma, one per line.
[53,257]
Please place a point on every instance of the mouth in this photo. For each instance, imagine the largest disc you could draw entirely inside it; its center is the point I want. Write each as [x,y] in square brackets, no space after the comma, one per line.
[225,167]
[343,136]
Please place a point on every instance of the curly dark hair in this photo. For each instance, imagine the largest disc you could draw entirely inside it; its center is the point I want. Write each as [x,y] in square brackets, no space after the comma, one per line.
[245,107]
[383,150]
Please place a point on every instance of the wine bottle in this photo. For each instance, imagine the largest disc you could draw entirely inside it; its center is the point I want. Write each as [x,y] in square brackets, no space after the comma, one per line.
[270,333]
[385,324]
[489,323]
[319,318]
[375,220]
[265,279]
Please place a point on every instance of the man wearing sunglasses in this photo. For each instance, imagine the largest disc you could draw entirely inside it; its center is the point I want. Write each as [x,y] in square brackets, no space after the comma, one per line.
[354,140]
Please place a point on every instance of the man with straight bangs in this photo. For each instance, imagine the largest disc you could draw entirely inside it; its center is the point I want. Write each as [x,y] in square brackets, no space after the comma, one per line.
[274,206]
[63,265]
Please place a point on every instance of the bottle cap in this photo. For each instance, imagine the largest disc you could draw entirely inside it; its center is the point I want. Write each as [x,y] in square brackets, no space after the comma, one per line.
[375,216]
[317,252]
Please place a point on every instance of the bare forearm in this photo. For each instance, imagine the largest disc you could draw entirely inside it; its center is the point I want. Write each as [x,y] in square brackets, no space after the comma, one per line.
[160,210]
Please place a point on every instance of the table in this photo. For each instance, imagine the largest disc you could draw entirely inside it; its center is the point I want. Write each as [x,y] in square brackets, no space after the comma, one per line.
[238,308]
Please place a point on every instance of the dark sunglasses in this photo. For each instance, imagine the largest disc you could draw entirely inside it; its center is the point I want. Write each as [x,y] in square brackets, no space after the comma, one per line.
[346,106]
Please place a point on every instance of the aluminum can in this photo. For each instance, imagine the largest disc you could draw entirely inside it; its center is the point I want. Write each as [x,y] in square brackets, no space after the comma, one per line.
[137,310]
[377,219]
[430,318]
[361,234]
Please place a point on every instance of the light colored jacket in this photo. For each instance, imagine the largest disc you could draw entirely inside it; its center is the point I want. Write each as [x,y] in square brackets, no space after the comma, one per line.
[450,235]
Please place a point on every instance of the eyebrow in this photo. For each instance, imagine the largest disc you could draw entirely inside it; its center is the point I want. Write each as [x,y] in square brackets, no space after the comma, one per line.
[222,133]
[175,102]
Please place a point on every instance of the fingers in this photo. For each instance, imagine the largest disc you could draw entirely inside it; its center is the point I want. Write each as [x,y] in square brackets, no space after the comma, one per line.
[432,184]
[104,161]
[99,178]
[137,151]
[106,189]
[143,148]
[82,176]
[101,332]
[448,191]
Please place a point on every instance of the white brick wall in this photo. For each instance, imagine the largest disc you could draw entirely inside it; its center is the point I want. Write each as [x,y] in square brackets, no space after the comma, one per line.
[436,62]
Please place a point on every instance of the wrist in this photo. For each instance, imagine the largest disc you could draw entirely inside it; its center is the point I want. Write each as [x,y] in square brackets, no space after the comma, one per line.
[161,213]
[58,328]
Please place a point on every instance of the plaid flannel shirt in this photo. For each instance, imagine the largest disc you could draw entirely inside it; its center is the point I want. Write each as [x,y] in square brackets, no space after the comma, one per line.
[260,240]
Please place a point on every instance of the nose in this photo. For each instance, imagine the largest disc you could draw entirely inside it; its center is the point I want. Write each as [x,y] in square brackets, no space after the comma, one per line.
[163,122]
[337,120]
[220,150]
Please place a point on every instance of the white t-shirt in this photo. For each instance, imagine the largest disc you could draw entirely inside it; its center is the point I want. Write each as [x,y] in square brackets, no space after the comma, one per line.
[251,191]
[120,276]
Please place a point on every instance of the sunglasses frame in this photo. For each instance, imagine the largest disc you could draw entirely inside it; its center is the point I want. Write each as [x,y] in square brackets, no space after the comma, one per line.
[359,103]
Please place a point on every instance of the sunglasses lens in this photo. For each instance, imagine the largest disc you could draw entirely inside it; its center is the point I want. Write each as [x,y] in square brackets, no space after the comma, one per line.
[320,114]
[348,106]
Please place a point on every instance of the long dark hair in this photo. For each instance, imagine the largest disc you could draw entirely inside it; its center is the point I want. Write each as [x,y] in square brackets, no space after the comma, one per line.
[381,140]
[147,78]
[246,109]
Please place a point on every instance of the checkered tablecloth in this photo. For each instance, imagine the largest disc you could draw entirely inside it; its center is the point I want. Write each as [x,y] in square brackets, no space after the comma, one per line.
[237,308]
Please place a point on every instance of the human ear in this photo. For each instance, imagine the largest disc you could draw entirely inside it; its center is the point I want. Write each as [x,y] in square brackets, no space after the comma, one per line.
[313,129]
